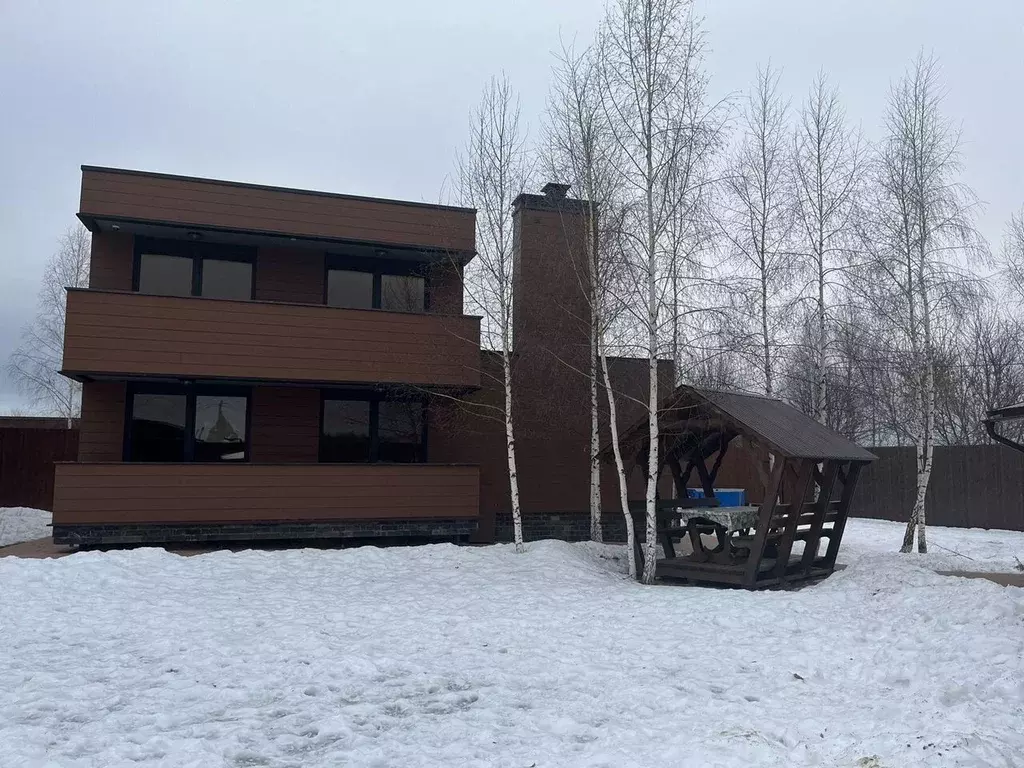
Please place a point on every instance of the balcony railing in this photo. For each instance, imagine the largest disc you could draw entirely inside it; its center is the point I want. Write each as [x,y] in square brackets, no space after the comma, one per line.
[130,334]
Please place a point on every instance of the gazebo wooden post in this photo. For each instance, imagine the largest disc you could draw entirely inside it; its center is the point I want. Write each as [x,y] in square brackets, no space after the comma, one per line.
[801,489]
[836,534]
[826,487]
[723,446]
[771,499]
[702,472]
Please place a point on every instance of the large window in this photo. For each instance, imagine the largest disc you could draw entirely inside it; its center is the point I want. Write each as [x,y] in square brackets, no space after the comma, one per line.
[187,423]
[372,429]
[158,422]
[223,279]
[181,268]
[350,289]
[165,275]
[402,293]
[359,283]
[345,433]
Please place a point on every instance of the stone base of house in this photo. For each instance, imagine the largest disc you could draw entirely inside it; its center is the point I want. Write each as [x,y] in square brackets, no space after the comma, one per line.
[370,531]
[567,526]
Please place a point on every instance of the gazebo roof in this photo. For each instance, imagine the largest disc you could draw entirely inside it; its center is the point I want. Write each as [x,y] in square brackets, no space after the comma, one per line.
[784,429]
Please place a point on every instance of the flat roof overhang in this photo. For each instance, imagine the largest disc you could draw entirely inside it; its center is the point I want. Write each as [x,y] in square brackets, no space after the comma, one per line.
[180,207]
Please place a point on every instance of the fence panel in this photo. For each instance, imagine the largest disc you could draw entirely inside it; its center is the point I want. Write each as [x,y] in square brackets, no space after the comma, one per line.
[972,486]
[27,456]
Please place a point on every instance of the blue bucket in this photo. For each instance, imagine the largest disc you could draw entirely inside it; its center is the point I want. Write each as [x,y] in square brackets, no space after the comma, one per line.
[727,497]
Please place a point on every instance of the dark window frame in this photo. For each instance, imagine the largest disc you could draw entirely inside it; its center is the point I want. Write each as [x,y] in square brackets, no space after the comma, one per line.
[378,268]
[374,399]
[190,390]
[198,252]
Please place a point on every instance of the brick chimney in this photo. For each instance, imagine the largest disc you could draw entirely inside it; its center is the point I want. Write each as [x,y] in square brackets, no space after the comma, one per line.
[551,311]
[551,338]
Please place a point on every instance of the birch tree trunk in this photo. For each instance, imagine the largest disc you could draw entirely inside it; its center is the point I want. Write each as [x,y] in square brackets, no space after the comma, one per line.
[492,172]
[510,444]
[651,534]
[620,469]
[925,228]
[577,148]
[596,531]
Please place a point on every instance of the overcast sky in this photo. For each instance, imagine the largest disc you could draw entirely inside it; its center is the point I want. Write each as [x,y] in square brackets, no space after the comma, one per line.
[372,98]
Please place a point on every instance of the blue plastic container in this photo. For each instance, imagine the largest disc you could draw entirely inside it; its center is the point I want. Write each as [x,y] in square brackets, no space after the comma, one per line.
[727,497]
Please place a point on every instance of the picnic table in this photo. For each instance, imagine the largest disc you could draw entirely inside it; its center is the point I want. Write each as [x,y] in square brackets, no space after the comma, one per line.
[723,522]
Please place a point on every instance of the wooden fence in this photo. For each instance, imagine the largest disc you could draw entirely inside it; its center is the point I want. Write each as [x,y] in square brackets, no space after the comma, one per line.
[27,456]
[972,486]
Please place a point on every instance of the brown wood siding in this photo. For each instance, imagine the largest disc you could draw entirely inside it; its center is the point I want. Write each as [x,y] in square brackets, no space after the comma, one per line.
[196,202]
[212,493]
[102,423]
[127,333]
[292,275]
[285,424]
[111,261]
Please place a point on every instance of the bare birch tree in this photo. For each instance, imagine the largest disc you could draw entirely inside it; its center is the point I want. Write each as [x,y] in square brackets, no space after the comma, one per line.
[578,148]
[918,286]
[828,164]
[651,48]
[491,172]
[981,370]
[758,220]
[34,365]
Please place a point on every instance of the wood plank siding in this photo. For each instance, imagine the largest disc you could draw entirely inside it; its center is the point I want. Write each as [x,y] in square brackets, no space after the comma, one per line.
[143,197]
[102,423]
[134,334]
[293,275]
[98,494]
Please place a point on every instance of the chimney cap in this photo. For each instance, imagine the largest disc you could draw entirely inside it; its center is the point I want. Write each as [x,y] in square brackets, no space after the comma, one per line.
[555,190]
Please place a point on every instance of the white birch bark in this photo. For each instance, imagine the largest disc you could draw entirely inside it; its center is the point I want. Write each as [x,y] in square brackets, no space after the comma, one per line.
[510,445]
[925,227]
[652,49]
[596,531]
[577,149]
[492,172]
[620,469]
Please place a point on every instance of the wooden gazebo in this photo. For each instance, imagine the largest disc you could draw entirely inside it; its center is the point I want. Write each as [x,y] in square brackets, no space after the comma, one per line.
[807,475]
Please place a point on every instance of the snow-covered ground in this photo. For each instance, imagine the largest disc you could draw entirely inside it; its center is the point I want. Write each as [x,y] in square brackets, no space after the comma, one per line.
[950,549]
[449,656]
[22,524]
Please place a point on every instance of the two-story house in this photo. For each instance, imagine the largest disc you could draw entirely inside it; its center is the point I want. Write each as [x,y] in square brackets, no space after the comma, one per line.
[273,363]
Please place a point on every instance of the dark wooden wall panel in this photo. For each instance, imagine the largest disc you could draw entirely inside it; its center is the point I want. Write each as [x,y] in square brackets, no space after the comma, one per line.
[27,458]
[208,493]
[111,261]
[102,422]
[108,193]
[293,275]
[126,333]
[285,423]
[972,486]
